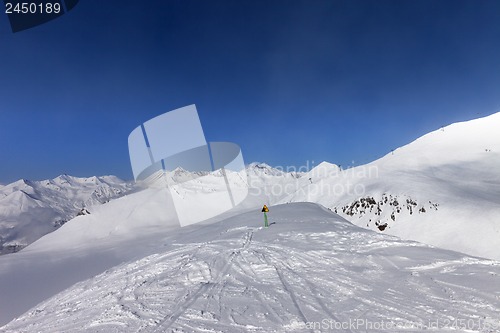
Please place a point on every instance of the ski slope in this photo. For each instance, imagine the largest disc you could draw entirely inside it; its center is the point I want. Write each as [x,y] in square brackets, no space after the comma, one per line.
[311,270]
[124,229]
[441,189]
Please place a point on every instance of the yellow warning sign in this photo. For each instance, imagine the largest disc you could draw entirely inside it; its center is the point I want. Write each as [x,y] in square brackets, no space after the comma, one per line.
[265,209]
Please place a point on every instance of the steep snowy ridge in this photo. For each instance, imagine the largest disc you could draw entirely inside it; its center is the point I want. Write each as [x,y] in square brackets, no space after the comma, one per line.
[31,209]
[310,271]
[457,143]
[442,189]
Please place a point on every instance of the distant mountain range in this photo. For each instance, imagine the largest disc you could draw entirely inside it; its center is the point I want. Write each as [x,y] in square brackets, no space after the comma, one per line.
[442,189]
[31,209]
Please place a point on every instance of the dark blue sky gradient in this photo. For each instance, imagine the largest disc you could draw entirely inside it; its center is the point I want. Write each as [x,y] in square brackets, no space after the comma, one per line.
[289,81]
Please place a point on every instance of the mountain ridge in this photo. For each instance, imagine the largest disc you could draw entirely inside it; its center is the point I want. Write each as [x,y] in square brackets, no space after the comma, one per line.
[416,192]
[31,209]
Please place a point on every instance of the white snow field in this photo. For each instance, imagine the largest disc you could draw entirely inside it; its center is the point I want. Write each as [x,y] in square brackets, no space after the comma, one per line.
[311,270]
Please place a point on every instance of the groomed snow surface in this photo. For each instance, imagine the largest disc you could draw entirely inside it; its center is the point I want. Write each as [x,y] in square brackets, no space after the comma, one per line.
[311,270]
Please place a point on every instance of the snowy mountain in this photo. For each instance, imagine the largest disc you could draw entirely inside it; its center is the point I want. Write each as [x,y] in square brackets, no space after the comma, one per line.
[310,271]
[31,209]
[441,189]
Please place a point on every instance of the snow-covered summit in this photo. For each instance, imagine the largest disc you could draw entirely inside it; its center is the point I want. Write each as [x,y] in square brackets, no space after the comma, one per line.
[323,170]
[264,169]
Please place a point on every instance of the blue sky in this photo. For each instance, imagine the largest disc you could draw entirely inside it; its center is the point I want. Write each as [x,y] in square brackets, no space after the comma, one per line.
[289,81]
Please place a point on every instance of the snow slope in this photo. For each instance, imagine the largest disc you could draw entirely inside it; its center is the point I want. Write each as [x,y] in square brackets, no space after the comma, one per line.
[31,209]
[310,271]
[126,228]
[442,189]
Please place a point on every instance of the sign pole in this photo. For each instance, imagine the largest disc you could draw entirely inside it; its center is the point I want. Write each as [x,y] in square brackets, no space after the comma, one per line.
[265,210]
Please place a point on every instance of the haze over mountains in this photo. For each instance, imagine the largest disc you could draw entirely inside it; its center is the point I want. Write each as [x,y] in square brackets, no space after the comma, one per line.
[442,189]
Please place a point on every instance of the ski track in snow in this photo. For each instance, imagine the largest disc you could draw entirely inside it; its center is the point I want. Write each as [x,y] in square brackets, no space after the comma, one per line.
[280,279]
